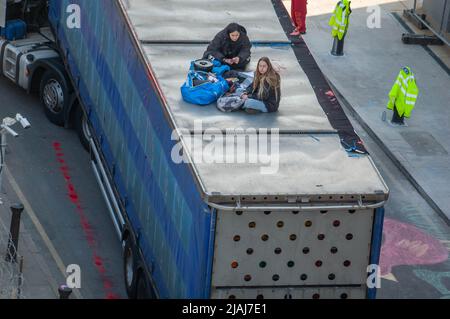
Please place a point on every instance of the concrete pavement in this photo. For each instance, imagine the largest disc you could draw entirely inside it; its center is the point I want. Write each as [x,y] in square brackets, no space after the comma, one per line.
[365,75]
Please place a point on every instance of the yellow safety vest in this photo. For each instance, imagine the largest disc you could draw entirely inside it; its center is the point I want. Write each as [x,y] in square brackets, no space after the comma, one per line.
[404,93]
[340,19]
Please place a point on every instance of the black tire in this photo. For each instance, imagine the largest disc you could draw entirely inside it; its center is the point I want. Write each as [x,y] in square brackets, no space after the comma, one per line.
[143,288]
[203,65]
[130,269]
[82,127]
[54,95]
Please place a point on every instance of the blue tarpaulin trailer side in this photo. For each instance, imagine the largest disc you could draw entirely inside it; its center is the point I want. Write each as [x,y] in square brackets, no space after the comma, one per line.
[163,202]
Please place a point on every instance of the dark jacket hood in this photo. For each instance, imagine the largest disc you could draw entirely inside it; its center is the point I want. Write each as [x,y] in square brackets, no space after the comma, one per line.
[232,27]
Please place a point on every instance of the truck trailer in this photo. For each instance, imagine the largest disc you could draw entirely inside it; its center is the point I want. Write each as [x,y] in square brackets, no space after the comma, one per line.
[306,225]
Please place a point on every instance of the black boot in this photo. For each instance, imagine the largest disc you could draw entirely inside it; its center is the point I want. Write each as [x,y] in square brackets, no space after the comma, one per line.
[396,118]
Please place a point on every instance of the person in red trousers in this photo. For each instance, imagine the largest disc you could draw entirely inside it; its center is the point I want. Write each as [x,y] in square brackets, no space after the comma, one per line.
[298,13]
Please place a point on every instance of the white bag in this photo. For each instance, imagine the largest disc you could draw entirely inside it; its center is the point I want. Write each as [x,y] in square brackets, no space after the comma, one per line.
[230,103]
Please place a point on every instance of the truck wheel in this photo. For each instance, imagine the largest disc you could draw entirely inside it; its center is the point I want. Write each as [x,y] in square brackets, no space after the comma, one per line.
[54,97]
[82,127]
[143,289]
[129,269]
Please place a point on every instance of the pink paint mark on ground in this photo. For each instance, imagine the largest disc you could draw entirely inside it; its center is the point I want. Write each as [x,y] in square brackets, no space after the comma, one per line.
[405,244]
[112,297]
[86,226]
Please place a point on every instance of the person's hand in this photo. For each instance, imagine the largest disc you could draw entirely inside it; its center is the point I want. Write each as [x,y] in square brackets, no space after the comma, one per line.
[228,61]
[236,60]
[244,97]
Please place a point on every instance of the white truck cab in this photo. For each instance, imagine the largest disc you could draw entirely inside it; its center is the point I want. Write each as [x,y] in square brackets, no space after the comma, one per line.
[18,57]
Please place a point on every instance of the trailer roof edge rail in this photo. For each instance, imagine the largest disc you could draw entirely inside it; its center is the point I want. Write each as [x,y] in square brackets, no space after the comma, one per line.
[204,42]
[269,131]
[233,208]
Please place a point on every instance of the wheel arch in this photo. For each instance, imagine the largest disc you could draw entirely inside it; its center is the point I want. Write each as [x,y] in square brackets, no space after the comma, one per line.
[37,71]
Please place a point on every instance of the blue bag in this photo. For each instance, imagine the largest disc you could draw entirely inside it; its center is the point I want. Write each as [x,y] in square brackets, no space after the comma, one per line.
[14,30]
[206,91]
[220,70]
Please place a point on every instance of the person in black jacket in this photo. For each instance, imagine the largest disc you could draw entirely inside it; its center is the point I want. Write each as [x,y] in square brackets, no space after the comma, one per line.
[264,95]
[231,46]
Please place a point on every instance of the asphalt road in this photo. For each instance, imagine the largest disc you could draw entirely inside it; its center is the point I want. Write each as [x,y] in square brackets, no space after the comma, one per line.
[414,256]
[53,173]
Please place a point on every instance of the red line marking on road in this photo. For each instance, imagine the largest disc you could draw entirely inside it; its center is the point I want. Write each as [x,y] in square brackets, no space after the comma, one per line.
[84,221]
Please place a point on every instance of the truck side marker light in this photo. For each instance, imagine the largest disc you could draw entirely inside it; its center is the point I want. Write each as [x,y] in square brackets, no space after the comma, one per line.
[316,296]
[304,277]
[267,212]
[290,264]
[349,237]
[305,250]
[247,278]
[295,212]
[293,237]
[277,251]
[252,225]
[275,277]
[347,263]
[334,250]
[321,237]
[319,263]
[237,238]
[336,223]
[308,223]
[234,264]
[352,211]
[331,276]
[344,296]
[280,224]
[323,211]
[265,237]
[262,264]
[239,212]
[249,251]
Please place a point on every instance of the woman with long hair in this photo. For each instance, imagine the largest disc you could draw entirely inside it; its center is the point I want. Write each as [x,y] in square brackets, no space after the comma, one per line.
[264,94]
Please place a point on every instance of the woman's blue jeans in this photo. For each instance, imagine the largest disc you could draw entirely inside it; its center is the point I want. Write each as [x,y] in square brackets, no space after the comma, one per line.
[256,105]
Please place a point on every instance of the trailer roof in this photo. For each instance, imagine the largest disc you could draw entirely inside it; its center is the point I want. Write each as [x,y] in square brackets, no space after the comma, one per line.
[299,108]
[308,165]
[200,20]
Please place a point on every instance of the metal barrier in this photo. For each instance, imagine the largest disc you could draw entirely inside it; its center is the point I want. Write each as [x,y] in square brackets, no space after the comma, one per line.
[11,263]
[440,25]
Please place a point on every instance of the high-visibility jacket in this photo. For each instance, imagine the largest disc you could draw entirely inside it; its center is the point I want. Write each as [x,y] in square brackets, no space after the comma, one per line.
[340,19]
[404,93]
